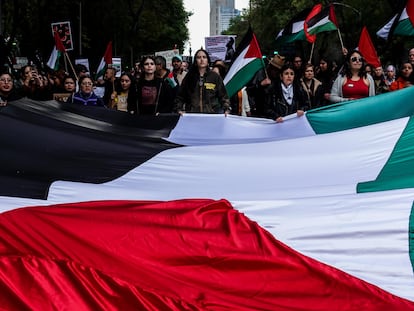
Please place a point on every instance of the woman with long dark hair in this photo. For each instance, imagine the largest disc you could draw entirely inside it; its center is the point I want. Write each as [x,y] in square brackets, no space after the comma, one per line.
[125,96]
[353,82]
[202,89]
[155,96]
[285,96]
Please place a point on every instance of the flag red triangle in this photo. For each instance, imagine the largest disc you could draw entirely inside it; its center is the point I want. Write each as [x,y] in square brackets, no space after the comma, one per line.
[254,49]
[410,10]
[316,9]
[58,43]
[108,53]
[366,47]
[332,15]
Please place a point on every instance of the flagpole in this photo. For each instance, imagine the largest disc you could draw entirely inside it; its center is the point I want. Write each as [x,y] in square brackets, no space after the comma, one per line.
[71,66]
[311,54]
[340,38]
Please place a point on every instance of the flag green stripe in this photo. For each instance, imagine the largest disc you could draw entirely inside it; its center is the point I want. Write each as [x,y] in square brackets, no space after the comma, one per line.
[362,112]
[325,27]
[398,172]
[291,38]
[243,76]
[404,28]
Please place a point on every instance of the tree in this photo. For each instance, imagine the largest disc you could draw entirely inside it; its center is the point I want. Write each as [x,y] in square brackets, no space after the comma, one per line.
[135,27]
[268,17]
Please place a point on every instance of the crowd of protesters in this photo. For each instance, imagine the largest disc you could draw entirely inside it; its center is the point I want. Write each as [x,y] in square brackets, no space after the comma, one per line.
[284,86]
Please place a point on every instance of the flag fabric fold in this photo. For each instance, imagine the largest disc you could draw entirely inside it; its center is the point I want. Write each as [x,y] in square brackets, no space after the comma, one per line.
[367,48]
[401,24]
[57,52]
[316,10]
[113,211]
[246,62]
[307,24]
[105,61]
[294,29]
[165,256]
[320,20]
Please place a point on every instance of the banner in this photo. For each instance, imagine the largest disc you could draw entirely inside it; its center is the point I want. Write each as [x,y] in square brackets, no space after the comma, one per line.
[221,47]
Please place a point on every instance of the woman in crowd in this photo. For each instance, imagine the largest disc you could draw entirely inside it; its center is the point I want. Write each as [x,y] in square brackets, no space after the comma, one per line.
[404,77]
[285,96]
[7,91]
[312,87]
[125,96]
[86,96]
[69,88]
[155,95]
[32,85]
[353,82]
[326,75]
[202,89]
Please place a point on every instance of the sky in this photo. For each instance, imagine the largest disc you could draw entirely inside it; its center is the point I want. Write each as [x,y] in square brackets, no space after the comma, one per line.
[199,23]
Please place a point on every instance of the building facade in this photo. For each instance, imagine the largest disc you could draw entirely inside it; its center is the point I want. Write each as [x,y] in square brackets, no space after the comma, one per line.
[221,12]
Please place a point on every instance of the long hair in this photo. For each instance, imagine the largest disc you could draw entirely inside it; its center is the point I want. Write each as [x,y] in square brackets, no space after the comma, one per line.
[132,91]
[346,70]
[193,75]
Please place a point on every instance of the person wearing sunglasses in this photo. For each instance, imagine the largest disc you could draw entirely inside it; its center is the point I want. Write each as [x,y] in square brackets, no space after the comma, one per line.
[352,82]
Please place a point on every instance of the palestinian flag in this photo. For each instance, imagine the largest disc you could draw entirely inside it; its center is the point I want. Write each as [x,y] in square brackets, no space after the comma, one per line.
[58,51]
[320,20]
[307,24]
[171,80]
[246,62]
[105,210]
[105,61]
[294,30]
[401,24]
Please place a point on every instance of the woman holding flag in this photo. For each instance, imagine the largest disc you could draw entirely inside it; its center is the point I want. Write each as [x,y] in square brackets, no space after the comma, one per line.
[285,96]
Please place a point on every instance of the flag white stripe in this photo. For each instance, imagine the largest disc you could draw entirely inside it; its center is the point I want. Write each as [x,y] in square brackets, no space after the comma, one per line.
[323,21]
[301,190]
[241,61]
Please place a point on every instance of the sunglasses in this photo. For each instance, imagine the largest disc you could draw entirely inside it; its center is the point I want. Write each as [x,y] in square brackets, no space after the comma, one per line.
[359,59]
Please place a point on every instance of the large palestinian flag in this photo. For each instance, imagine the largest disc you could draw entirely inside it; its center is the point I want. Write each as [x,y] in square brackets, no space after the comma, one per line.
[106,211]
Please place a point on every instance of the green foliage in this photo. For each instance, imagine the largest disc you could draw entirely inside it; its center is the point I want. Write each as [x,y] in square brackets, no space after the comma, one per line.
[158,26]
[269,17]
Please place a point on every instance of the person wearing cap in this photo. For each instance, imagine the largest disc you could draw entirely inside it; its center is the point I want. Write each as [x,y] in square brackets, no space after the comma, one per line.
[178,71]
[258,86]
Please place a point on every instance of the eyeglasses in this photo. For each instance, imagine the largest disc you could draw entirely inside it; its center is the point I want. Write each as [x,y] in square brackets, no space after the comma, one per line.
[6,80]
[355,59]
[86,83]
